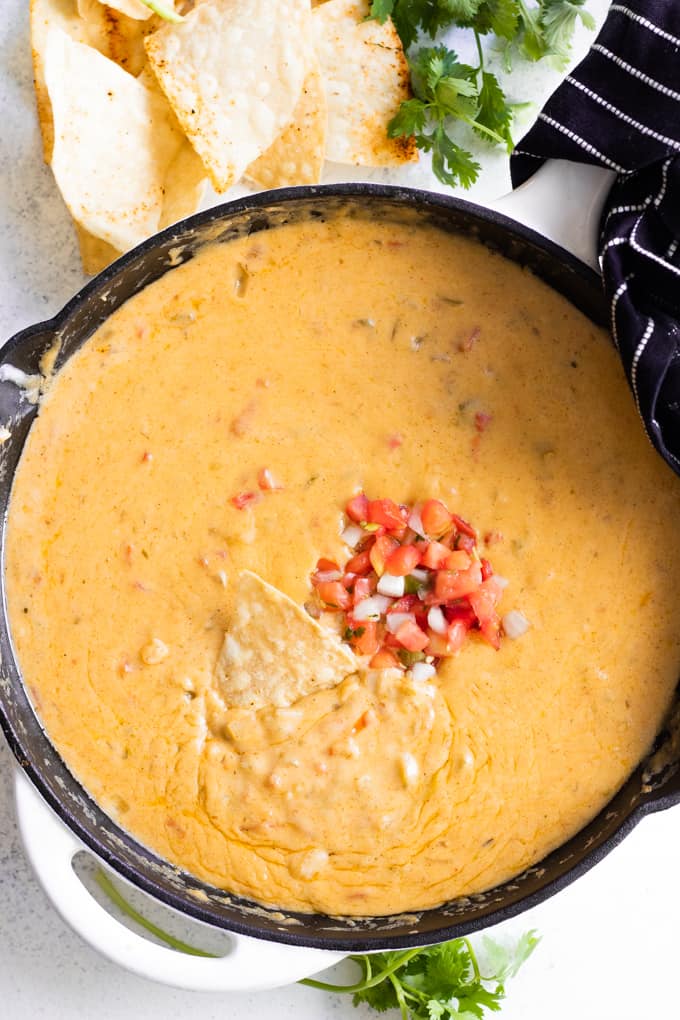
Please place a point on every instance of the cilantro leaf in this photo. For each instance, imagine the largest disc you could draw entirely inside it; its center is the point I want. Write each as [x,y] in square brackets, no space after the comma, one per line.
[381,10]
[531,41]
[498,16]
[412,16]
[381,997]
[448,967]
[410,119]
[505,961]
[558,20]
[494,111]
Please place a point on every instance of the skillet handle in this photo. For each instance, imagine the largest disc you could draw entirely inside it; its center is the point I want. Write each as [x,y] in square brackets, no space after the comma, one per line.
[563,201]
[250,964]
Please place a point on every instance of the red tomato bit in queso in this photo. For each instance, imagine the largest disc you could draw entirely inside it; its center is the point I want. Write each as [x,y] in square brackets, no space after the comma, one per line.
[414,589]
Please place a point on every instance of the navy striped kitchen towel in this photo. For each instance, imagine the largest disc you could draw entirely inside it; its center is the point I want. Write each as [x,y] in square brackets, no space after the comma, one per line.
[620,108]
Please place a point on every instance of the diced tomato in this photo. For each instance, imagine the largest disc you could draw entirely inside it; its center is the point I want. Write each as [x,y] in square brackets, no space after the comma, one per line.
[455,636]
[364,587]
[334,595]
[410,636]
[465,542]
[357,508]
[434,555]
[436,519]
[468,343]
[365,640]
[494,589]
[359,564]
[455,584]
[482,421]
[403,560]
[463,527]
[437,645]
[421,617]
[267,482]
[323,565]
[483,603]
[388,513]
[243,499]
[348,581]
[405,604]
[492,537]
[380,551]
[491,631]
[384,659]
[458,559]
[487,570]
[461,611]
[484,600]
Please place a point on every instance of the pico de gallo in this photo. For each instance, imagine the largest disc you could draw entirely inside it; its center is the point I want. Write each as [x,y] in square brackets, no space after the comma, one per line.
[415,587]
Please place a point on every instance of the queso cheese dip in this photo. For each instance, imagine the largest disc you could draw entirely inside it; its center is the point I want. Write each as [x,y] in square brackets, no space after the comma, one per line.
[342,356]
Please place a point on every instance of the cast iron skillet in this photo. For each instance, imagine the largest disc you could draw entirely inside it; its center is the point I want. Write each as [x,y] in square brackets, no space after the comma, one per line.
[655,785]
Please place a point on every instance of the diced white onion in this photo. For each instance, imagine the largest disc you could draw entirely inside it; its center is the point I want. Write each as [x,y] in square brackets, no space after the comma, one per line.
[436,620]
[422,671]
[395,620]
[328,575]
[420,575]
[371,608]
[352,535]
[502,582]
[389,584]
[515,624]
[415,523]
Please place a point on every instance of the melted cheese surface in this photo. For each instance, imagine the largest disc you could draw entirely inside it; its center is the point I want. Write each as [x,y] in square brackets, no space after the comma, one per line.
[306,350]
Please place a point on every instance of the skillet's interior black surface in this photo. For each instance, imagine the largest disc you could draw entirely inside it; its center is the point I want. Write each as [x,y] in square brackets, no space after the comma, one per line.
[655,785]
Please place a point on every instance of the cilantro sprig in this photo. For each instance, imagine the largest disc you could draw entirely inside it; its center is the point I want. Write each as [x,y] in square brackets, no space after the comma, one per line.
[447,92]
[443,982]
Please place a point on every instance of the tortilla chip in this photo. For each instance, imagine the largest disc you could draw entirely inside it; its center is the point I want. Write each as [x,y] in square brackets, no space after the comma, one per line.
[118,37]
[297,155]
[185,186]
[131,8]
[233,72]
[46,15]
[367,77]
[274,653]
[95,254]
[114,141]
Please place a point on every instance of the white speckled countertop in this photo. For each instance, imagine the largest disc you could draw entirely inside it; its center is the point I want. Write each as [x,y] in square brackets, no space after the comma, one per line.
[609,941]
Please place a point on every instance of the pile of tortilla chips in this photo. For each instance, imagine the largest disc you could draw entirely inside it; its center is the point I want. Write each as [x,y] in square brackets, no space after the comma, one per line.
[138,112]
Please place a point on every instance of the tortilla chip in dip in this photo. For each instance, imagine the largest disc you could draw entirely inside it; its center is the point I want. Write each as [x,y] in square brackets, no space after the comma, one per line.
[297,155]
[233,72]
[367,78]
[273,652]
[114,140]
